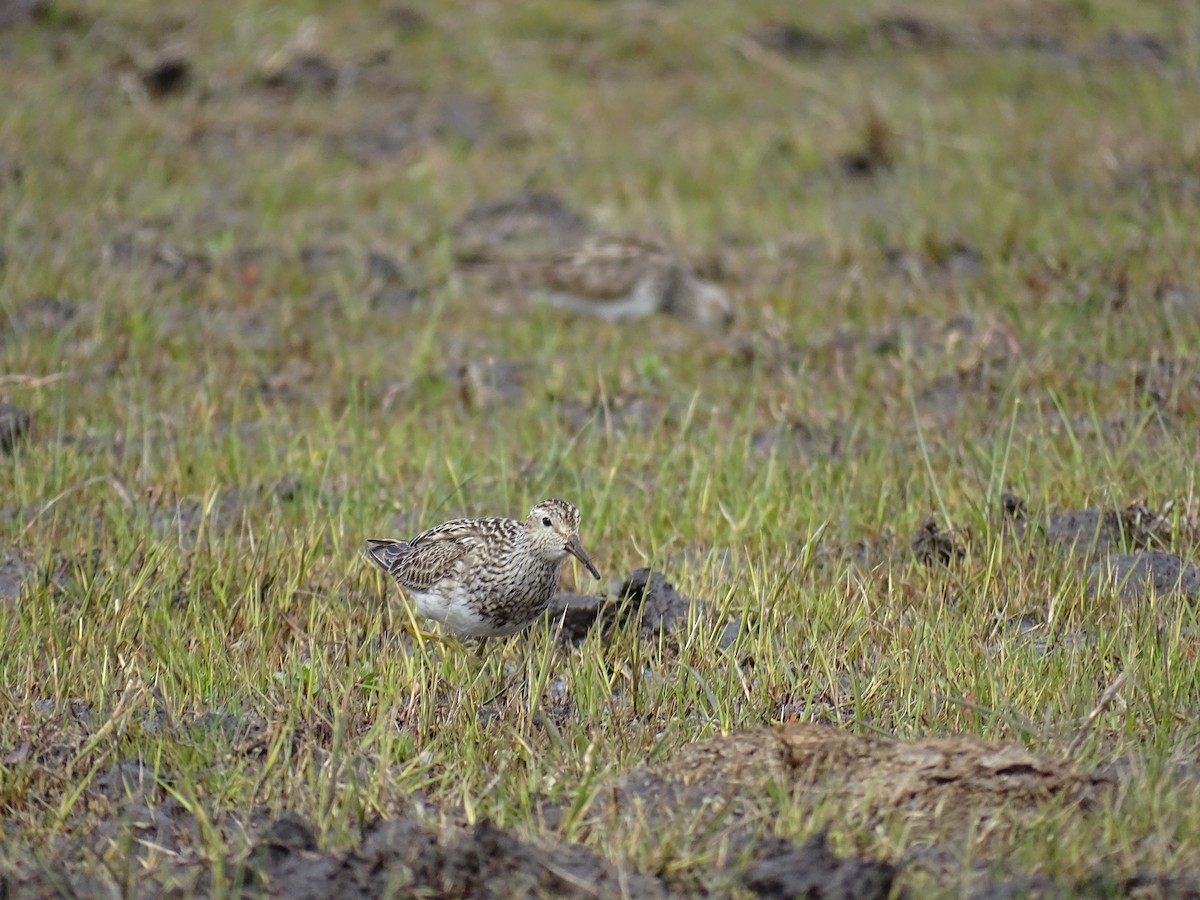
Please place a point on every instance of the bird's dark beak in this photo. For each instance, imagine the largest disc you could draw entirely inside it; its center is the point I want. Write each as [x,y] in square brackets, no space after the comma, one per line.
[575,548]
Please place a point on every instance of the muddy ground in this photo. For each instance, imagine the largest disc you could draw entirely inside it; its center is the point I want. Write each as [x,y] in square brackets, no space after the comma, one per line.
[715,784]
[716,787]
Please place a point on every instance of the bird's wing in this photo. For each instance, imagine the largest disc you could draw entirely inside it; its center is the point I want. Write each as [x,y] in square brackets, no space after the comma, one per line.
[603,270]
[417,568]
[425,560]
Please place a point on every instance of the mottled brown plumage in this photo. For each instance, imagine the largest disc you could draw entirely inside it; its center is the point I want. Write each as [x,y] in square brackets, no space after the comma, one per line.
[620,279]
[485,577]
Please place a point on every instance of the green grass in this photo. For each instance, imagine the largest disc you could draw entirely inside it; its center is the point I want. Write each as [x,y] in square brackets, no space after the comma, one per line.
[212,447]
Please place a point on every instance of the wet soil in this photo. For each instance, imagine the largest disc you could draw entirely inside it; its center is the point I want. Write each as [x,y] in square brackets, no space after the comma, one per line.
[416,854]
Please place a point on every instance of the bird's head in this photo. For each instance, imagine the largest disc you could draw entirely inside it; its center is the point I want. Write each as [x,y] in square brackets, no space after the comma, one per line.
[553,527]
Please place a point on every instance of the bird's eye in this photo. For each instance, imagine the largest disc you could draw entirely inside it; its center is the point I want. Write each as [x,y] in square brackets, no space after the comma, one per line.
[546,521]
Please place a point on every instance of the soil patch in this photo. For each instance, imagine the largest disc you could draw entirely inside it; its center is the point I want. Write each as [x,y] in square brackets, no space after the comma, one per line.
[954,777]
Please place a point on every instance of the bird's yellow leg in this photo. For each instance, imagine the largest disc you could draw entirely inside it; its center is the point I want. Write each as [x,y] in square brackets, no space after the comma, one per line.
[414,629]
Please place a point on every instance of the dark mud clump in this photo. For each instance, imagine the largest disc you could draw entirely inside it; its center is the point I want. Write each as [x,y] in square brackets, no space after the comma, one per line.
[645,597]
[1146,572]
[169,73]
[934,546]
[14,425]
[404,857]
[767,865]
[785,869]
[877,153]
[13,573]
[654,600]
[1125,550]
[1091,532]
[792,40]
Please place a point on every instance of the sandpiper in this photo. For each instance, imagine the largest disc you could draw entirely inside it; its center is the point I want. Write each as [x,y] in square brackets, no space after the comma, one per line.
[620,279]
[486,577]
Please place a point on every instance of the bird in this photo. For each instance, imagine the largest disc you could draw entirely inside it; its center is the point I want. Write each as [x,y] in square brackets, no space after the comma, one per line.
[620,279]
[487,577]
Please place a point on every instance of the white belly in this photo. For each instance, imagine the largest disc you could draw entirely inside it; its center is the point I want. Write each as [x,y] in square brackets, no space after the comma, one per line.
[459,616]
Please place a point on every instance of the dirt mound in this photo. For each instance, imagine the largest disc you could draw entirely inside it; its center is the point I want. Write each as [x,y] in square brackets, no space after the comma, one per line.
[949,777]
